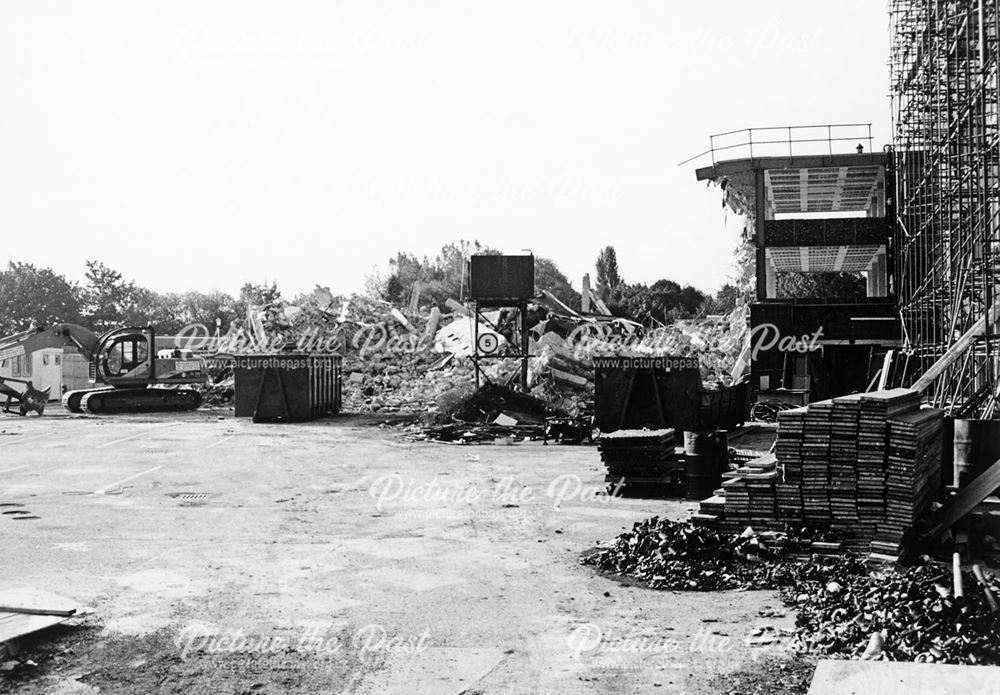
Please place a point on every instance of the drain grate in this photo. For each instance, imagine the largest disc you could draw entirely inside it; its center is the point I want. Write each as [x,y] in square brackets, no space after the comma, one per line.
[188,496]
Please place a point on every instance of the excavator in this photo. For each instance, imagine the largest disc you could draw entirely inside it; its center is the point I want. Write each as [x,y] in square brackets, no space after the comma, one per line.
[129,375]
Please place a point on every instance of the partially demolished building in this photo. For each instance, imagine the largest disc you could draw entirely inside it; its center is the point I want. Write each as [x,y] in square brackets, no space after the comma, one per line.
[813,208]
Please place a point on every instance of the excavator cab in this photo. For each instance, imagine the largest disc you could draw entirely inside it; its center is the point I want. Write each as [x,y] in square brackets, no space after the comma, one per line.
[124,357]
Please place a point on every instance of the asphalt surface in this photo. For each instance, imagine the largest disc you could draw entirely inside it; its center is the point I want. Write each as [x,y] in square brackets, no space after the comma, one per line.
[337,557]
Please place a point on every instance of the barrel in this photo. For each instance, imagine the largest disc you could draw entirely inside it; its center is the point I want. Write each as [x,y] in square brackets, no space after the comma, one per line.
[976,447]
[706,458]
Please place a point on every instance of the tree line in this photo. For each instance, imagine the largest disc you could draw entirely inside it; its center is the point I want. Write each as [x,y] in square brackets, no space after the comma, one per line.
[443,276]
[660,302]
[32,296]
[105,299]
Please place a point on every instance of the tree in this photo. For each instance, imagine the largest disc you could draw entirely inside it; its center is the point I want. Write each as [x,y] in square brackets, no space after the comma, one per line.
[172,312]
[439,280]
[257,295]
[207,307]
[790,285]
[452,265]
[549,277]
[662,302]
[376,284]
[608,278]
[30,295]
[149,308]
[689,300]
[724,300]
[108,300]
[406,270]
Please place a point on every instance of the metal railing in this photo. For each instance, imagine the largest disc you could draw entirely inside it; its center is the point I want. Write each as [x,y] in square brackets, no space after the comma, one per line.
[785,140]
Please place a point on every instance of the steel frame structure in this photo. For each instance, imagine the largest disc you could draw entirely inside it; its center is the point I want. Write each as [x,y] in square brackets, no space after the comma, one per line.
[945,84]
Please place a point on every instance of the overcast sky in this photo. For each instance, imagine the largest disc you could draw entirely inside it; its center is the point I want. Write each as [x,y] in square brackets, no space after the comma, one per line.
[198,145]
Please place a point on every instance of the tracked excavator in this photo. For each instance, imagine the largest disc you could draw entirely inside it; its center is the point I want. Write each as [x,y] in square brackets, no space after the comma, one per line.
[129,375]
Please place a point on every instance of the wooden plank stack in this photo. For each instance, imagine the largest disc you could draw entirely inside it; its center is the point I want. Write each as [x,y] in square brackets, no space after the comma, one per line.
[788,500]
[867,464]
[748,497]
[816,462]
[639,457]
[737,494]
[843,459]
[914,448]
[761,479]
[788,447]
[875,409]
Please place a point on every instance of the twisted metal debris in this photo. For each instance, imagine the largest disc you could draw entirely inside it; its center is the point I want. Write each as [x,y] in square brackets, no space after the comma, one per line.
[841,602]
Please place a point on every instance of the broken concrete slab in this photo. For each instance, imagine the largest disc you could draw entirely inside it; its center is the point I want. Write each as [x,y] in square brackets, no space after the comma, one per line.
[16,625]
[504,420]
[836,677]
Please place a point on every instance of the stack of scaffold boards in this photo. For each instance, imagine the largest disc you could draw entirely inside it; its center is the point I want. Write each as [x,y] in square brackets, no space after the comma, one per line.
[914,451]
[865,466]
[748,497]
[640,459]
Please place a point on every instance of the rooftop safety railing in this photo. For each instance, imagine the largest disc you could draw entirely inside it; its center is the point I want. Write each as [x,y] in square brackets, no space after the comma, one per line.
[780,141]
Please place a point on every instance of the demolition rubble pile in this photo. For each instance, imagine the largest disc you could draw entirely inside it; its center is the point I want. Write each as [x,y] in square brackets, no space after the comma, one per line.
[418,360]
[222,392]
[843,607]
[492,412]
[909,616]
[666,554]
[718,342]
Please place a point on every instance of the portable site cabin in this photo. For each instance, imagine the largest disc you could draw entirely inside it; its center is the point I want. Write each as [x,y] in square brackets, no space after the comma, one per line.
[56,356]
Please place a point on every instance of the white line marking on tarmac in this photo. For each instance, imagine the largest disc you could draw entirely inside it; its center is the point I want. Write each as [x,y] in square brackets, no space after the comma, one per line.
[215,444]
[112,486]
[136,436]
[18,440]
[16,468]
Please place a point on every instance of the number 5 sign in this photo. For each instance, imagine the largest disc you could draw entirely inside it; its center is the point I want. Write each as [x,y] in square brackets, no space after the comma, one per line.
[487,343]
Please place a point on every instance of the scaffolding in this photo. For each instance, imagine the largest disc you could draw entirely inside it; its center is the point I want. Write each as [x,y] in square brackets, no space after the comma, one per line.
[945,84]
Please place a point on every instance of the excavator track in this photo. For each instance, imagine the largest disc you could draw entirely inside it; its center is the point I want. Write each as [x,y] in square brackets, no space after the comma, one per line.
[139,400]
[71,400]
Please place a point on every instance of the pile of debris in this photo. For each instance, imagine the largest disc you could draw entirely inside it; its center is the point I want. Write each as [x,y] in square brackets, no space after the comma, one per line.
[718,342]
[408,359]
[487,414]
[221,393]
[493,403]
[912,615]
[666,554]
[844,608]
